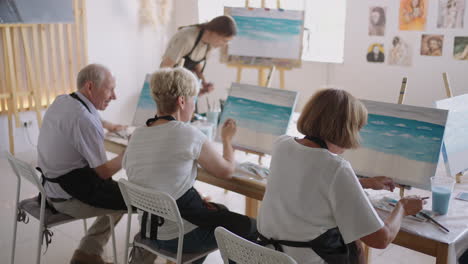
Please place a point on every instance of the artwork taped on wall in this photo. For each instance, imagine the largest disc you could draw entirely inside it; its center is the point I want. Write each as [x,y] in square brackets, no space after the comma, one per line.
[400,53]
[451,13]
[146,107]
[265,37]
[455,144]
[400,141]
[413,14]
[262,114]
[377,20]
[36,12]
[432,45]
[376,53]
[460,49]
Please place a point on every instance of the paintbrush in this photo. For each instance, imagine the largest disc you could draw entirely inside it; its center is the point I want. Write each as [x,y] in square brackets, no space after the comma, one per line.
[429,218]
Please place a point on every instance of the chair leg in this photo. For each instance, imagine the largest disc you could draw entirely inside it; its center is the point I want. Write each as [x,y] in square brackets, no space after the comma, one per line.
[114,249]
[39,243]
[15,224]
[85,225]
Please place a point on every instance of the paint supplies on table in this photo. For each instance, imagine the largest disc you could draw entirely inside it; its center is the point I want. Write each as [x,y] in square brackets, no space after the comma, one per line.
[387,204]
[254,170]
[462,196]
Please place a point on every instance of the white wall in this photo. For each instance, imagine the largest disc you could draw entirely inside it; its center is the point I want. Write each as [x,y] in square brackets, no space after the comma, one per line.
[365,80]
[115,39]
[381,81]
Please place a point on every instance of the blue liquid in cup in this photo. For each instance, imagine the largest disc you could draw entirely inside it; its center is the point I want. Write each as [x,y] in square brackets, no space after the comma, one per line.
[440,199]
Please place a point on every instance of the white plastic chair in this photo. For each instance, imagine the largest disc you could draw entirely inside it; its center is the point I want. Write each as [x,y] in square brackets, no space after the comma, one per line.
[242,251]
[46,217]
[162,205]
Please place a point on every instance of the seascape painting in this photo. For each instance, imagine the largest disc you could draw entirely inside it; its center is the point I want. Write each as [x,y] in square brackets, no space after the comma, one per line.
[261,114]
[400,141]
[146,107]
[455,139]
[269,34]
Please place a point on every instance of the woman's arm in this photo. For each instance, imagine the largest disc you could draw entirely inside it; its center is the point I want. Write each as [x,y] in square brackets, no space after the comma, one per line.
[384,236]
[167,63]
[211,161]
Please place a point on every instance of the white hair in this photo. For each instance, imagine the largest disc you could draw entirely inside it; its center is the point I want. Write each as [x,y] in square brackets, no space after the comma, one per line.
[95,73]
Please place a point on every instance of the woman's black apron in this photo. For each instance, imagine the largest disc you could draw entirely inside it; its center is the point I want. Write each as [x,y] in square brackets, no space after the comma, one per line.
[191,64]
[330,245]
[200,213]
[85,185]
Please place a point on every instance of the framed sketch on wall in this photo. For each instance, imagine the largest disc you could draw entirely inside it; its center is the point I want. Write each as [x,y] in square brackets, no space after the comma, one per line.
[36,12]
[376,53]
[265,37]
[400,52]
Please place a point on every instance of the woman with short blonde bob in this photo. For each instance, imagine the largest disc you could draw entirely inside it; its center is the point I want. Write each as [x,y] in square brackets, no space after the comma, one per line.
[314,207]
[164,156]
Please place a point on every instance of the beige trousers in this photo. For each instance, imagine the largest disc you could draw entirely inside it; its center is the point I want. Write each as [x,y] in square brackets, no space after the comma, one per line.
[98,234]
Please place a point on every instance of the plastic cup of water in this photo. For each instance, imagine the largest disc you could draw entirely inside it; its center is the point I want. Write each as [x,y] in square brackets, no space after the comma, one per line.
[442,188]
[212,117]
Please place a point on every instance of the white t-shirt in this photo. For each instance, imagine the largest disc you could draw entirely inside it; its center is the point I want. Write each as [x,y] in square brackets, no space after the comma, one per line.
[164,158]
[182,43]
[309,191]
[71,137]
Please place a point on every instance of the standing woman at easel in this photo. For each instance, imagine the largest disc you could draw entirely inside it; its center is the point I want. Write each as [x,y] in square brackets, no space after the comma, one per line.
[191,45]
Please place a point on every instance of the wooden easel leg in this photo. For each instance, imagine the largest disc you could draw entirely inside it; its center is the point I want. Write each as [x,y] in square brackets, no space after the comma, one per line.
[281,79]
[261,77]
[459,175]
[402,192]
[10,134]
[367,253]
[239,74]
[251,207]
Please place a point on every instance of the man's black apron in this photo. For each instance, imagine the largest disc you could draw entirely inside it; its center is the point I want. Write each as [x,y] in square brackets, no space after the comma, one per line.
[85,185]
[191,64]
[200,213]
[330,245]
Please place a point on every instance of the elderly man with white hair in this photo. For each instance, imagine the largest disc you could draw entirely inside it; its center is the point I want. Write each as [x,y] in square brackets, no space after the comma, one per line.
[76,174]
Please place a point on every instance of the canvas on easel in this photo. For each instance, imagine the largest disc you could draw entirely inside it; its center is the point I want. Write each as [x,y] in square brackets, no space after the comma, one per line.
[455,149]
[262,114]
[400,141]
[265,37]
[146,107]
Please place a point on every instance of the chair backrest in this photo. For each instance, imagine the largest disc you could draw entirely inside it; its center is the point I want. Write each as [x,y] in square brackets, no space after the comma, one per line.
[235,248]
[151,201]
[25,170]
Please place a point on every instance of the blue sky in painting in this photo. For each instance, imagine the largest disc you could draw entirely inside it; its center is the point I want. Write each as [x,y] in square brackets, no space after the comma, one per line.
[267,29]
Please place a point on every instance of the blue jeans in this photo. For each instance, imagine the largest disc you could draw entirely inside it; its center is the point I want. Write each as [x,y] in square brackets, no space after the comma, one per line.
[196,241]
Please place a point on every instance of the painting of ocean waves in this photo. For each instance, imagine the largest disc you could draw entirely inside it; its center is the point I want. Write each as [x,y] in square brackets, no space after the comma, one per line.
[257,116]
[402,142]
[267,33]
[261,114]
[267,29]
[412,139]
[146,107]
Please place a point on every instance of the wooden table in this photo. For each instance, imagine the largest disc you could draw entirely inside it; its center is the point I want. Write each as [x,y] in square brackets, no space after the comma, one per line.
[254,191]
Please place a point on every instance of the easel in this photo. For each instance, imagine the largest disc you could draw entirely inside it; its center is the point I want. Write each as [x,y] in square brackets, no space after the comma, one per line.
[401,97]
[251,205]
[448,91]
[39,63]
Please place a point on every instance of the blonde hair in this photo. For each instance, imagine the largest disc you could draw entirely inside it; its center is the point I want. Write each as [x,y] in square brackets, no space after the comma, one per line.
[168,84]
[335,116]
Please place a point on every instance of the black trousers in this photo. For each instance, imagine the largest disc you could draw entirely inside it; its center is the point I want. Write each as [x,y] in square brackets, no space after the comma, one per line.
[85,185]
